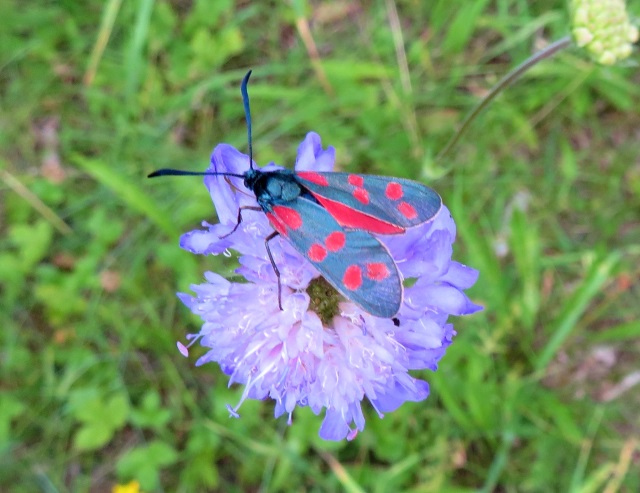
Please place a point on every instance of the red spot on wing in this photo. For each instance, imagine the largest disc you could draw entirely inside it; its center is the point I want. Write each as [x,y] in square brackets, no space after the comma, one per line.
[352,278]
[317,253]
[356,180]
[351,218]
[407,210]
[335,241]
[361,195]
[277,224]
[394,190]
[377,271]
[288,216]
[313,177]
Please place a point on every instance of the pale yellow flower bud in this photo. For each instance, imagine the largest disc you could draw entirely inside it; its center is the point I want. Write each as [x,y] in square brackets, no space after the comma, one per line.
[603,29]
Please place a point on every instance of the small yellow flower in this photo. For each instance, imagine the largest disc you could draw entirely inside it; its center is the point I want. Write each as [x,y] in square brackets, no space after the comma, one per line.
[131,487]
[603,28]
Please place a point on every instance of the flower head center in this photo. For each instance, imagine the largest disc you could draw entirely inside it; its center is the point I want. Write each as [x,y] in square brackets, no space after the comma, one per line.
[324,300]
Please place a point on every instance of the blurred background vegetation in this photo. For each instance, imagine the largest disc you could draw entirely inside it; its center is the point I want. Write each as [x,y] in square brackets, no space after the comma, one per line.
[536,393]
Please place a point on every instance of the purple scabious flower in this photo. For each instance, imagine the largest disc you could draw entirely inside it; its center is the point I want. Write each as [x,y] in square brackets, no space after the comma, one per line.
[320,350]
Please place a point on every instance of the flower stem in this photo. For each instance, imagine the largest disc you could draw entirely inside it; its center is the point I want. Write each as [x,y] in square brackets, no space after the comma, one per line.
[505,82]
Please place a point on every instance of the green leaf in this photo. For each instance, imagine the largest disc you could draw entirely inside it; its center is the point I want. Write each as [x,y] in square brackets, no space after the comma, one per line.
[151,413]
[92,437]
[101,418]
[144,463]
[33,242]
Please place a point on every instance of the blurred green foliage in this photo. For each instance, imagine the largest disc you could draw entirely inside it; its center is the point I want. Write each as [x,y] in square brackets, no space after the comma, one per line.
[545,190]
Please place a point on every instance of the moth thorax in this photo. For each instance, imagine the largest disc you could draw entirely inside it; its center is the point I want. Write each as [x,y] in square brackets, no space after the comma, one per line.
[283,189]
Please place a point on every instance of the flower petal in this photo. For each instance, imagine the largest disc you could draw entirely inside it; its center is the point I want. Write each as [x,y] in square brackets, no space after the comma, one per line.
[460,276]
[442,298]
[226,198]
[334,426]
[205,242]
[311,156]
[393,398]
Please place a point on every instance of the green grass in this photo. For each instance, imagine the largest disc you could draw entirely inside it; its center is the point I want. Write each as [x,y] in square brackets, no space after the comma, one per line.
[545,190]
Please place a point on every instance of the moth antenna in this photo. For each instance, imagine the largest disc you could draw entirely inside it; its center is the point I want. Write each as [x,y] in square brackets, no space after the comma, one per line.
[247,113]
[179,172]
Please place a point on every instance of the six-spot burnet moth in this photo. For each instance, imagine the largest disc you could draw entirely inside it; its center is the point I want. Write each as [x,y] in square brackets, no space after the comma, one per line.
[330,218]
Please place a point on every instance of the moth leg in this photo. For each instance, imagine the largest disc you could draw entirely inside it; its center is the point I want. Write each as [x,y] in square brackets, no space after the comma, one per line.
[239,220]
[273,264]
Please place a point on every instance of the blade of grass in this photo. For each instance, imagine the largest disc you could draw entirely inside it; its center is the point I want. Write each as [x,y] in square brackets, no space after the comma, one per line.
[106,28]
[135,53]
[35,202]
[261,448]
[525,245]
[463,25]
[130,193]
[629,331]
[500,461]
[622,467]
[596,480]
[580,470]
[304,30]
[599,273]
[348,483]
[398,42]
[521,36]
[396,471]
